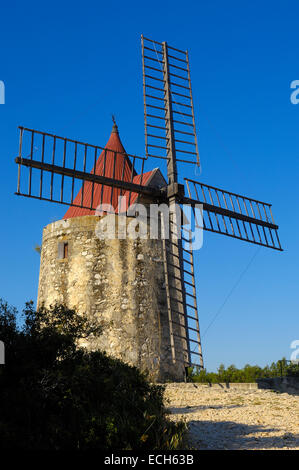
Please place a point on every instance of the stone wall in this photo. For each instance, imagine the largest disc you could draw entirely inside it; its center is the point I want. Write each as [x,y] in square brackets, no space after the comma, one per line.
[119,282]
[191,386]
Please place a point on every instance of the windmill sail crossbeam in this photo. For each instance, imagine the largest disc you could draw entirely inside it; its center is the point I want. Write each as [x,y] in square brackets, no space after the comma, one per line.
[89,177]
[233,215]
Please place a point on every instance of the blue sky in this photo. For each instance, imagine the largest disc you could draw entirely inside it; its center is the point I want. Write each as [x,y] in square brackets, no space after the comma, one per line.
[68,66]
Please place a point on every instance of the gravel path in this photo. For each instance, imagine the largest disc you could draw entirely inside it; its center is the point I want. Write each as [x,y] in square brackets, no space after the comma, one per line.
[220,418]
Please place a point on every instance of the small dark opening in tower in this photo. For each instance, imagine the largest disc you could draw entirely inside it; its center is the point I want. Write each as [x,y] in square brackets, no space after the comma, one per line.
[65,250]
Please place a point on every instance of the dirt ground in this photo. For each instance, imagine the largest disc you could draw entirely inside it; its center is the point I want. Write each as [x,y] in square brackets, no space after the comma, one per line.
[220,418]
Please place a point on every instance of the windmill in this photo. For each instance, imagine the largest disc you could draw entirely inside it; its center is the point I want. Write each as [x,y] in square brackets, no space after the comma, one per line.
[82,176]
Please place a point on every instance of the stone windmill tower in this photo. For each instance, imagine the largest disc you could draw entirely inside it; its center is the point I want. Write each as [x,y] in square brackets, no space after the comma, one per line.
[120,282]
[142,289]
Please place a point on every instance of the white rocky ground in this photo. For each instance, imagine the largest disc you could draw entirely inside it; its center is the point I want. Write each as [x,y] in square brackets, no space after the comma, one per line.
[220,418]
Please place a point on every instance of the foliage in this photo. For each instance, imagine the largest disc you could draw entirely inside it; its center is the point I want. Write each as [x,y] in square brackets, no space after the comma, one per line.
[54,395]
[293,370]
[247,374]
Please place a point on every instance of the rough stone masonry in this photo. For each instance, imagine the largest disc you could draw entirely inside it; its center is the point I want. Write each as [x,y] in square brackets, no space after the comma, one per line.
[120,282]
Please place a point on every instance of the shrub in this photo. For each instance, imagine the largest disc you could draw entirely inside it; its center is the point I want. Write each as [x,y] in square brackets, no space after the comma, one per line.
[54,395]
[292,370]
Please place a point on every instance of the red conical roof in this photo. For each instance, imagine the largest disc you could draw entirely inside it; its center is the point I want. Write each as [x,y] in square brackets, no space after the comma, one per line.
[118,166]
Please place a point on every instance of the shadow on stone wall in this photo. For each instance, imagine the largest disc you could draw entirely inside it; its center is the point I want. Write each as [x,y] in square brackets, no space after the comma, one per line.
[223,385]
[280,384]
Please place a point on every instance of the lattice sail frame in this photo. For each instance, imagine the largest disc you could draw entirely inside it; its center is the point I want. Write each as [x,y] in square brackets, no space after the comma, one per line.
[234,215]
[54,168]
[178,258]
[168,97]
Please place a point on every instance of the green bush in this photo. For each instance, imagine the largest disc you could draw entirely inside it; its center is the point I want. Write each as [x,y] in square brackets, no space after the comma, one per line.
[247,374]
[292,370]
[54,395]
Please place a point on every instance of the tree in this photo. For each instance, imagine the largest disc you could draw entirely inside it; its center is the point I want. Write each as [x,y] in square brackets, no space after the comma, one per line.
[247,374]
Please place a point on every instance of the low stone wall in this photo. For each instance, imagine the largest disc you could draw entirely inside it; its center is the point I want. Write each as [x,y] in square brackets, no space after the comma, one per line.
[281,384]
[192,386]
[235,386]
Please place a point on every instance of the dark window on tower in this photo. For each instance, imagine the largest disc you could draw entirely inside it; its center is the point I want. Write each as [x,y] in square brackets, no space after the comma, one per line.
[63,250]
